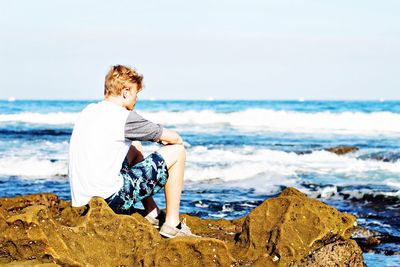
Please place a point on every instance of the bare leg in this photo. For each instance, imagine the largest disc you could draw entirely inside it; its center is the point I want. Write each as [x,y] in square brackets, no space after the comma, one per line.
[175,157]
[135,155]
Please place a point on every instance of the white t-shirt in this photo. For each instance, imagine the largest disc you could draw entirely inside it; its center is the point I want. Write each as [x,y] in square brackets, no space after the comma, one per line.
[99,143]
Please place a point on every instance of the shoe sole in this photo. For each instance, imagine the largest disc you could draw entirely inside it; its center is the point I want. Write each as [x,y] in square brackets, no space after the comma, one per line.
[174,236]
[167,235]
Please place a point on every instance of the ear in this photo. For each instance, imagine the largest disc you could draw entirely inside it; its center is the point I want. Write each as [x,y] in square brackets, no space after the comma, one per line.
[124,92]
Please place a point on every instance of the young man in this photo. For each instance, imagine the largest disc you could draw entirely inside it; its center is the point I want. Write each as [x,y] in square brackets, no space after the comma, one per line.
[106,158]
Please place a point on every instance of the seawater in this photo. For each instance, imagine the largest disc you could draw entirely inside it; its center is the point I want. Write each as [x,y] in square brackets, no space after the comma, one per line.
[239,153]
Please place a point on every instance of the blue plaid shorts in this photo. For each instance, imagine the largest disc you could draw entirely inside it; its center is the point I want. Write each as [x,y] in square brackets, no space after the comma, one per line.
[139,181]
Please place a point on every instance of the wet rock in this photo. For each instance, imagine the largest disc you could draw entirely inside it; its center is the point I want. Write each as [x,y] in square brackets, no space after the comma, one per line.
[374,241]
[291,229]
[385,156]
[364,233]
[341,150]
[366,238]
[305,152]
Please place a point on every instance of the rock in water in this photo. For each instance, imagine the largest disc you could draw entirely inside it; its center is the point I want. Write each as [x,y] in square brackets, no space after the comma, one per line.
[341,150]
[290,230]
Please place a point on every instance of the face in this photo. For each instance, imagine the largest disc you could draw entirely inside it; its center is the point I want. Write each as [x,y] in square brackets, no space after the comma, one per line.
[130,96]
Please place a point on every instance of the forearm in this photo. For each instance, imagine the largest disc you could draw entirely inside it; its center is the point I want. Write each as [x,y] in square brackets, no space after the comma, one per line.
[170,137]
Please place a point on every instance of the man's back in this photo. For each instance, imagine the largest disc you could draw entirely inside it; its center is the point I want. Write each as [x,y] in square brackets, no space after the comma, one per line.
[97,149]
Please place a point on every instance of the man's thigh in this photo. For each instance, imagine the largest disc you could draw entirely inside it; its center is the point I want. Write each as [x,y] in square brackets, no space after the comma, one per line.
[172,153]
[140,181]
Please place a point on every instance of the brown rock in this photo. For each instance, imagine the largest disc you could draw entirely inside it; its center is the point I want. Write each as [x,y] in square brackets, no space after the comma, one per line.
[339,253]
[29,263]
[293,226]
[372,241]
[341,150]
[102,238]
[368,240]
[283,231]
[362,232]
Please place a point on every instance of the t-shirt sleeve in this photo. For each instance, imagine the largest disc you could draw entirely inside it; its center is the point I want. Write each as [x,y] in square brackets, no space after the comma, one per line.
[138,128]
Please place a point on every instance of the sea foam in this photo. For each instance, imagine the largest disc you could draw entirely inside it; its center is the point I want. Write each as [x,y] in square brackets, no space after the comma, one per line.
[33,167]
[286,121]
[57,118]
[251,120]
[267,165]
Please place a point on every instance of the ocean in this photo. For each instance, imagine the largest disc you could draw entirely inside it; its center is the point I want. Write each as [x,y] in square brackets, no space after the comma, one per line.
[239,153]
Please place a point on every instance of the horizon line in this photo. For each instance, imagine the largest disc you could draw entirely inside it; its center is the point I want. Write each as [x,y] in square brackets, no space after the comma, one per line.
[209,100]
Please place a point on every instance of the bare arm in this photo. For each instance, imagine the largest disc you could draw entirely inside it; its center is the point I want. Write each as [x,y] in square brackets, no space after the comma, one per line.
[169,137]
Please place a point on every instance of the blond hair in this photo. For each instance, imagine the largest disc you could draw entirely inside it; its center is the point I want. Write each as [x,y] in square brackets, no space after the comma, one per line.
[120,77]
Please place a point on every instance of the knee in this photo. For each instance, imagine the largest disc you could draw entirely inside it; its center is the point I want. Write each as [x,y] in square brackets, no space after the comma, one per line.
[183,152]
[180,151]
[173,153]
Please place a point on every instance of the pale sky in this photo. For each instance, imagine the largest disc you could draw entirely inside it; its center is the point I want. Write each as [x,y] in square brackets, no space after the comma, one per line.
[199,49]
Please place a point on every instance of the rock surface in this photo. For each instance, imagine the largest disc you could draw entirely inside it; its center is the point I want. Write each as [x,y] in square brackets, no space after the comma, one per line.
[341,150]
[290,230]
[339,253]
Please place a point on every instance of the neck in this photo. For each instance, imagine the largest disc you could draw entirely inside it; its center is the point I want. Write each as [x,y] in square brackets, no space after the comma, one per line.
[116,100]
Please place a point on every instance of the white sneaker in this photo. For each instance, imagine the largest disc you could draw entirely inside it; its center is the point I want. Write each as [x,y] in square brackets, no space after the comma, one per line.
[172,232]
[156,221]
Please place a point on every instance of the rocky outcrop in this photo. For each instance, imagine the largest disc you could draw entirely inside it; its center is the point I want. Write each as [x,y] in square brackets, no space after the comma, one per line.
[294,226]
[341,150]
[290,230]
